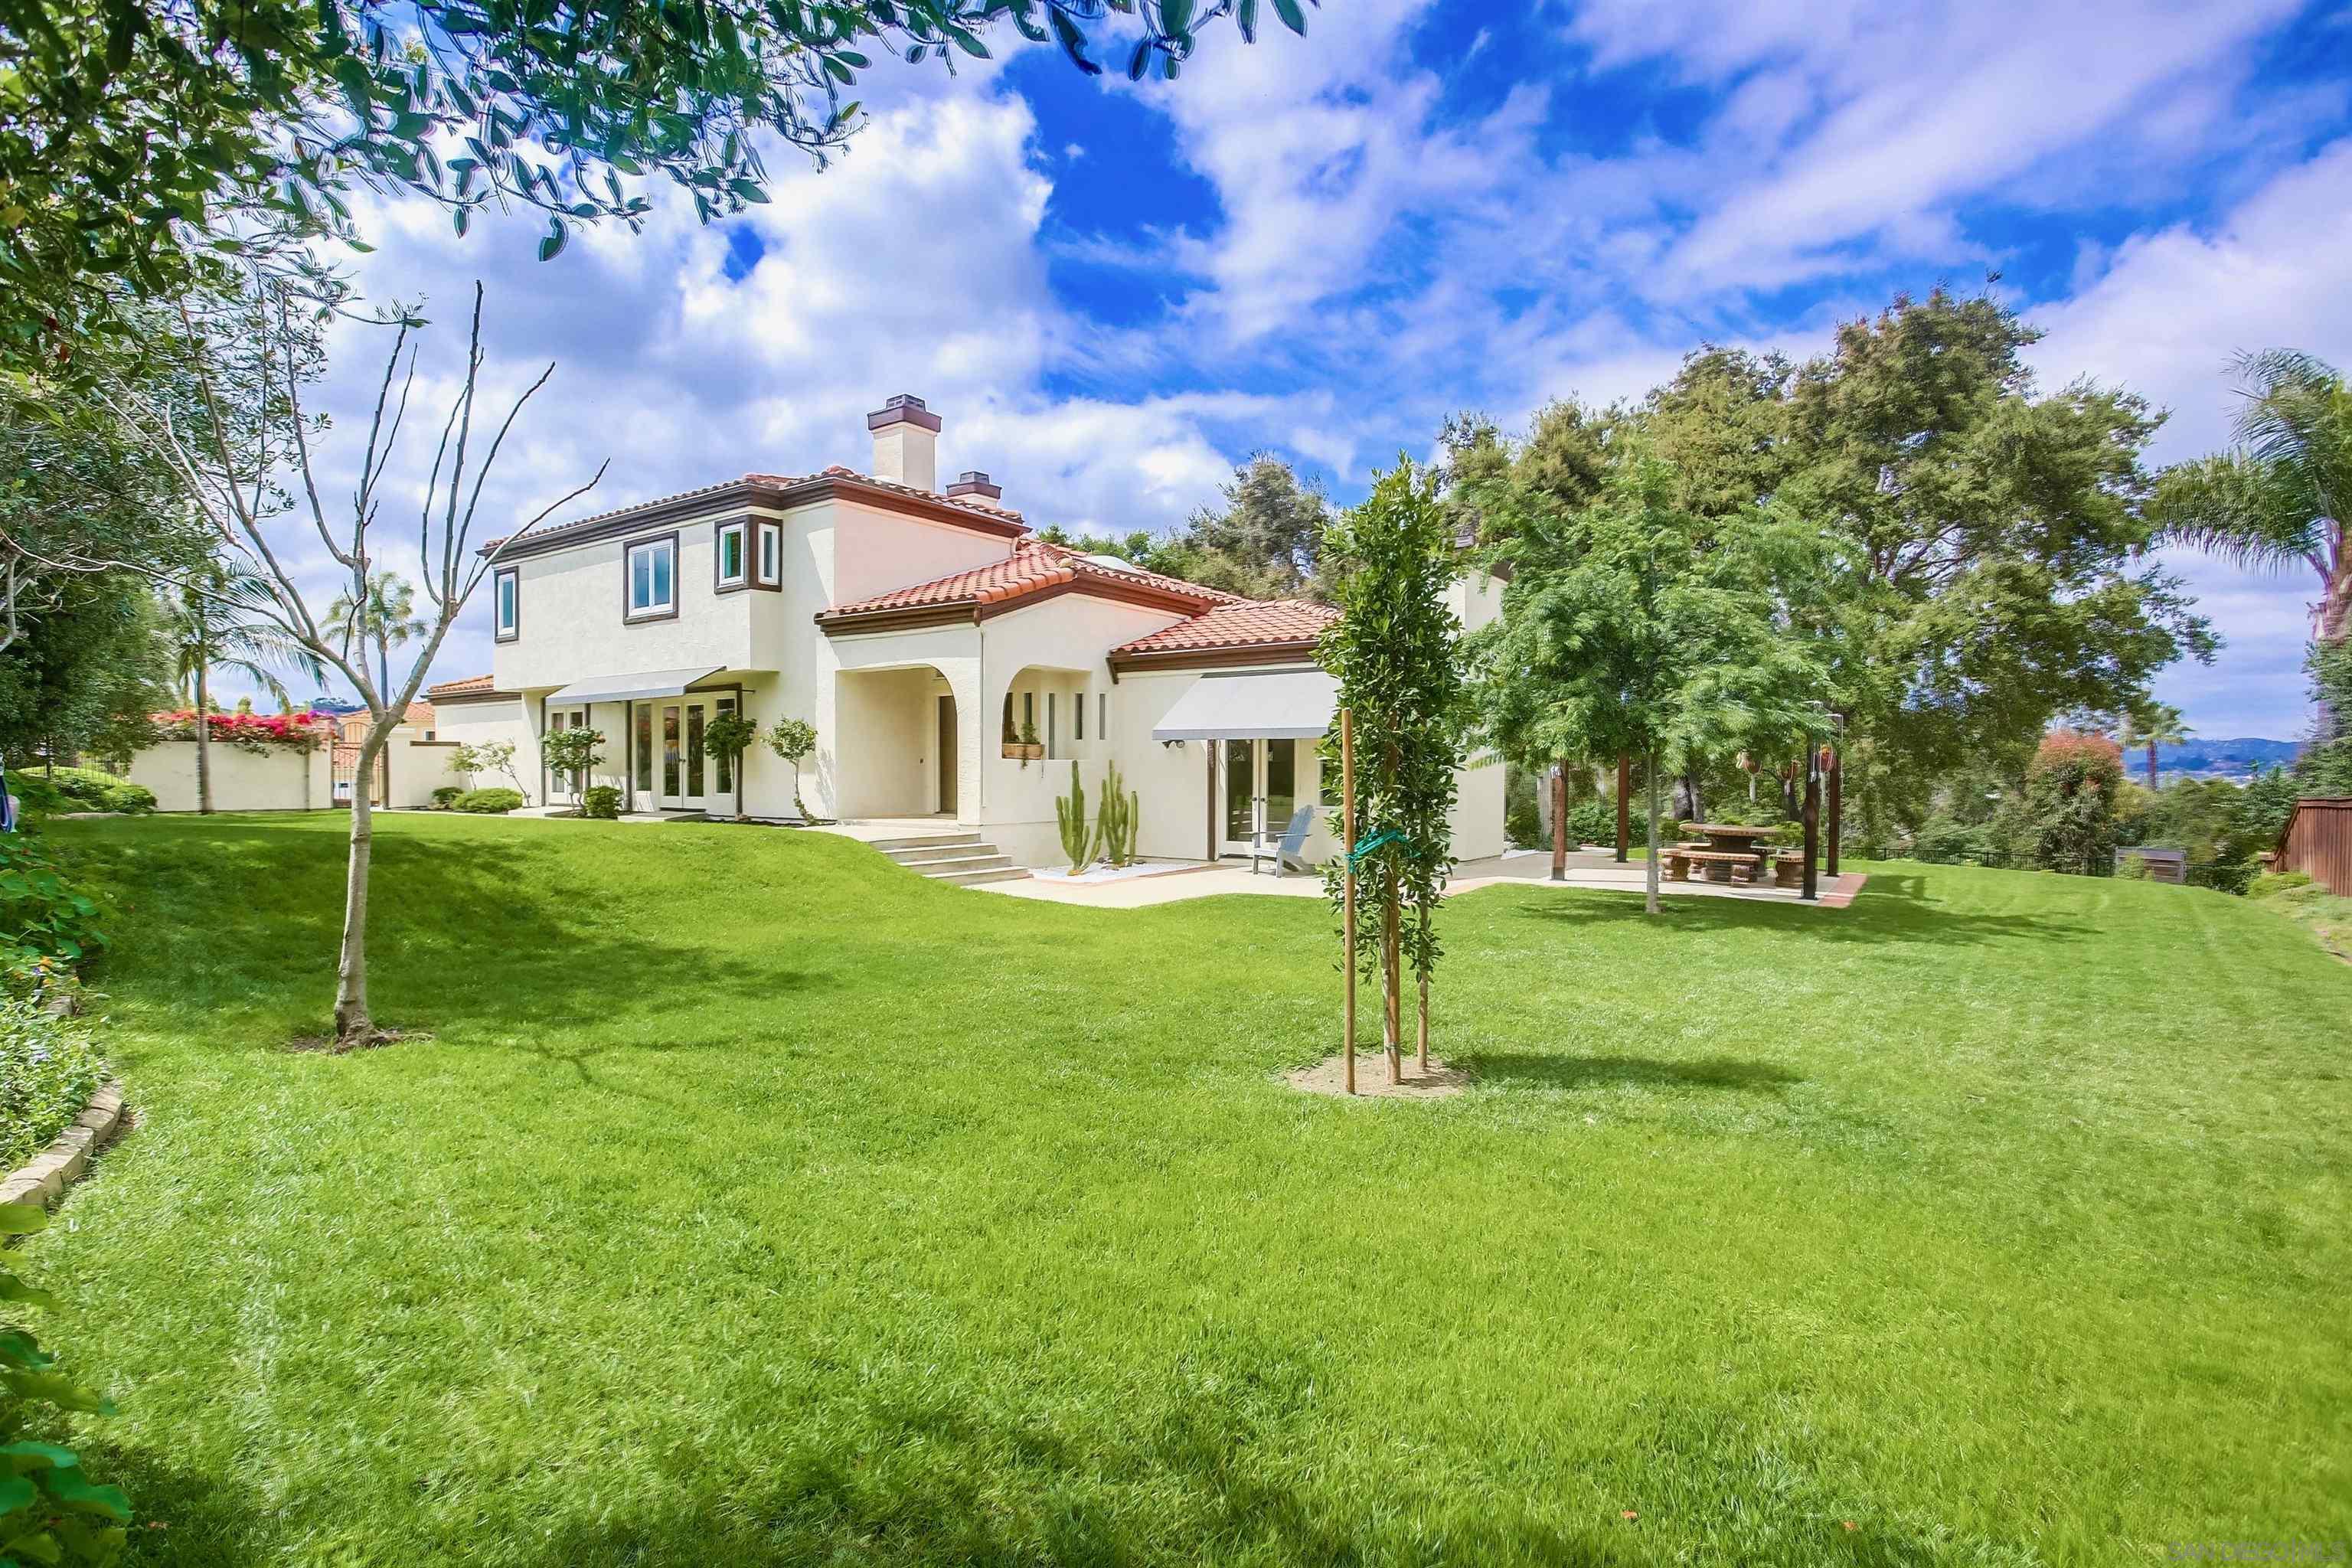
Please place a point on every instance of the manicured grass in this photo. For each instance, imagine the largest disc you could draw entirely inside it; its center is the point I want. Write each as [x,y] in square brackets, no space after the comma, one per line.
[754,1201]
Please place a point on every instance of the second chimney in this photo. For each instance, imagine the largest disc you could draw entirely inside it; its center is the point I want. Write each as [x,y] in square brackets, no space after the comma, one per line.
[906,443]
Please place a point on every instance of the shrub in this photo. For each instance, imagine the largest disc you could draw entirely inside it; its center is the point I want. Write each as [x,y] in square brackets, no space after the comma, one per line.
[2222,876]
[254,732]
[1942,841]
[2070,794]
[50,1512]
[1593,822]
[39,911]
[447,796]
[601,802]
[496,801]
[2272,883]
[48,1067]
[1522,823]
[79,789]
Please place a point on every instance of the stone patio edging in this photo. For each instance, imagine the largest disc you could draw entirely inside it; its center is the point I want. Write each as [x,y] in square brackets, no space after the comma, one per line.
[44,1178]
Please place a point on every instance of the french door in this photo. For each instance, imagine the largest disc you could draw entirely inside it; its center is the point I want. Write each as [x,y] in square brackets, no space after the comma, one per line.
[1261,792]
[670,765]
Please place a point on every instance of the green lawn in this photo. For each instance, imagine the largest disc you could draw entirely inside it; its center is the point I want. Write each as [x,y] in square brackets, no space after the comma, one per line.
[754,1201]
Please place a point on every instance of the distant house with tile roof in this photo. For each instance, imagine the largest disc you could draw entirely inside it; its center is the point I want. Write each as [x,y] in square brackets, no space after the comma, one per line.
[953,664]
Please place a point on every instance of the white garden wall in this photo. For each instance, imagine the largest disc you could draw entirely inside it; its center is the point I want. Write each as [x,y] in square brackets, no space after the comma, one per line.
[279,780]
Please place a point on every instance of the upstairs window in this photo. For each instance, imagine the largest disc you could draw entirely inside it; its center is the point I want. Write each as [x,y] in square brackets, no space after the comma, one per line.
[771,570]
[652,588]
[732,572]
[507,592]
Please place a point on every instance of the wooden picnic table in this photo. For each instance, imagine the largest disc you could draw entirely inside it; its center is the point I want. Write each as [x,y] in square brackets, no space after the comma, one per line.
[1732,839]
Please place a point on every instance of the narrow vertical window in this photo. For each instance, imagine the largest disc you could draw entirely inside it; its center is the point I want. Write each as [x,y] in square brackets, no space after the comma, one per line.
[645,750]
[723,763]
[772,556]
[1078,718]
[508,595]
[1050,741]
[1102,716]
[730,555]
[694,750]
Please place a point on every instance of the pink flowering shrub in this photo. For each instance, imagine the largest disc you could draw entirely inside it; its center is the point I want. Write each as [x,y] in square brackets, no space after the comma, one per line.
[255,733]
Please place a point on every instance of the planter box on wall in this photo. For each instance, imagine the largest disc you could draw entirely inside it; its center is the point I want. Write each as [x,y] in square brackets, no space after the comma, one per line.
[1017,752]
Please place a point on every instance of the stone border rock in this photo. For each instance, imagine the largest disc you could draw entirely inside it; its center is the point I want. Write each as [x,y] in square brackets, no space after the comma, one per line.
[46,1177]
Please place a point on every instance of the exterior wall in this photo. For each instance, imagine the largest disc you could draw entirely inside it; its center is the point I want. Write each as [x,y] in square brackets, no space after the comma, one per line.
[570,615]
[477,723]
[281,780]
[2319,842]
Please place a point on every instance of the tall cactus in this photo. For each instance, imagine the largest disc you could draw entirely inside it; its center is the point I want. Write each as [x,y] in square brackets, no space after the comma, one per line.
[1078,839]
[1120,810]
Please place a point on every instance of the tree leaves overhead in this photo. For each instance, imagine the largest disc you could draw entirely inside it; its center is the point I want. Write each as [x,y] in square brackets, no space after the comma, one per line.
[147,144]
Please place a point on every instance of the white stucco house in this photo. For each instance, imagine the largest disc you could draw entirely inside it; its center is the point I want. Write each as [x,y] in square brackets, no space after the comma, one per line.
[923,630]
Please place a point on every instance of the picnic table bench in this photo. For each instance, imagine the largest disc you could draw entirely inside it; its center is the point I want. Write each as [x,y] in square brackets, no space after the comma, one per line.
[1716,865]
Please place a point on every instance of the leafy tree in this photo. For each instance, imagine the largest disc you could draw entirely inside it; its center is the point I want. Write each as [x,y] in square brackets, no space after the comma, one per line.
[793,739]
[382,614]
[1636,627]
[2070,796]
[2325,768]
[225,617]
[574,753]
[725,740]
[149,144]
[1396,653]
[2002,577]
[477,759]
[2279,499]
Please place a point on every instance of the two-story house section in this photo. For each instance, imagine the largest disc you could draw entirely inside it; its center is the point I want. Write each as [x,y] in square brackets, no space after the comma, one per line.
[953,664]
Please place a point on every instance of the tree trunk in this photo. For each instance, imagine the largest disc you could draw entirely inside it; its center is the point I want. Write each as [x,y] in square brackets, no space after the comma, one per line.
[1650,903]
[2151,764]
[353,1024]
[1391,982]
[1624,806]
[1422,1054]
[1559,821]
[1348,890]
[1837,805]
[203,743]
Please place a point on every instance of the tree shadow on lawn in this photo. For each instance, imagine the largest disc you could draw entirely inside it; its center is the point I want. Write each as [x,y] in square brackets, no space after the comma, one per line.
[1536,1070]
[454,946]
[1898,913]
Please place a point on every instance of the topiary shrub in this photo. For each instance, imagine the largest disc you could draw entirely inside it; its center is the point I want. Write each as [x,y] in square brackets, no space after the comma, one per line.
[601,802]
[496,801]
[447,796]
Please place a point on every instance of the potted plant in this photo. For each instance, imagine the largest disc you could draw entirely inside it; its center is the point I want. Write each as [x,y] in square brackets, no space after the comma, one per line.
[1028,748]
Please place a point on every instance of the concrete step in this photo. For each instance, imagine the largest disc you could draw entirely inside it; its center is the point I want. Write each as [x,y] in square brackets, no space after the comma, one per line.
[972,878]
[924,841]
[989,860]
[931,854]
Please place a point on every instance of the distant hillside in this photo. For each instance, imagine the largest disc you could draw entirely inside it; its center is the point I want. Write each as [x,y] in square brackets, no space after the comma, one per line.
[2199,757]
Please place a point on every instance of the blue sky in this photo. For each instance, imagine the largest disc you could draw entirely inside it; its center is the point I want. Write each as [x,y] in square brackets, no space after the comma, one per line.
[1111,293]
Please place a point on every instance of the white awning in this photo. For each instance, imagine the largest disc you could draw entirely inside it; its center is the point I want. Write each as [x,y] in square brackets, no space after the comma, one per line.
[628,687]
[1288,705]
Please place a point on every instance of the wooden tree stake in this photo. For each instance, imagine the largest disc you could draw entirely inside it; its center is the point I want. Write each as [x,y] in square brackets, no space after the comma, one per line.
[1624,806]
[1558,821]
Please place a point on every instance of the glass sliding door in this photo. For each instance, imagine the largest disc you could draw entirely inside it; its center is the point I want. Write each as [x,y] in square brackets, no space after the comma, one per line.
[1261,792]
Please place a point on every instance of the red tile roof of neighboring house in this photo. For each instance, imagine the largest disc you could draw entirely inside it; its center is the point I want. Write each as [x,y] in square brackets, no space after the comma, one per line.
[452,687]
[1242,623]
[419,714]
[1035,567]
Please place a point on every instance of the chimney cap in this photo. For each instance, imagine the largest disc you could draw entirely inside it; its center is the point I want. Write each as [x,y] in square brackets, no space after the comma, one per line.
[973,482]
[906,408]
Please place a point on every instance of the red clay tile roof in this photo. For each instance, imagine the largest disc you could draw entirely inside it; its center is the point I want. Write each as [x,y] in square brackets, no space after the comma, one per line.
[1241,624]
[419,714]
[451,688]
[1033,568]
[995,514]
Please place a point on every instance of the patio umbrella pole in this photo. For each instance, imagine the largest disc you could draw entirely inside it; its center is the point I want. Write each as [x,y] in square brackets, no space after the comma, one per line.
[1348,895]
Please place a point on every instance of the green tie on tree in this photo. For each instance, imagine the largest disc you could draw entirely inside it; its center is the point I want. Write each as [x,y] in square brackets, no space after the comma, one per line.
[1632,627]
[1396,653]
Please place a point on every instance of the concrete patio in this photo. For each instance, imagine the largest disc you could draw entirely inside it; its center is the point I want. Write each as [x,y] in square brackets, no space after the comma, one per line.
[1587,870]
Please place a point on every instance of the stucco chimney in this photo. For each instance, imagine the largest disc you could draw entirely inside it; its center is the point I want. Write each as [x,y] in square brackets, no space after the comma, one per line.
[906,443]
[971,485]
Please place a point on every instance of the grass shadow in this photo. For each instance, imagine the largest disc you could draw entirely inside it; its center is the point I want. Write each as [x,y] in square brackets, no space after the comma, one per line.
[1900,916]
[1728,1073]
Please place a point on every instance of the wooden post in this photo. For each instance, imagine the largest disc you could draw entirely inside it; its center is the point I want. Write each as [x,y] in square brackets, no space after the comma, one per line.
[1558,822]
[1391,986]
[1423,1053]
[1348,898]
[1813,822]
[1211,747]
[1624,806]
[1837,803]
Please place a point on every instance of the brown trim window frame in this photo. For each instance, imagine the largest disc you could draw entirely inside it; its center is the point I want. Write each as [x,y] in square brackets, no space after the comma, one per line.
[741,527]
[506,604]
[768,555]
[630,617]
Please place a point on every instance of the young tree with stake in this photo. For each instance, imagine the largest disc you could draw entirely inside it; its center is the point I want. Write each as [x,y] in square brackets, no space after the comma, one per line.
[1396,651]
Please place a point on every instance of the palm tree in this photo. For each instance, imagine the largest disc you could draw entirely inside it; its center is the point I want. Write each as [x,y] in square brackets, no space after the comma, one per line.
[221,621]
[2280,495]
[386,616]
[2158,724]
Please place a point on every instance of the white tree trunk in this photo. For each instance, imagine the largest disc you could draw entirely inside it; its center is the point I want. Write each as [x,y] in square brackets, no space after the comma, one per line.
[353,1024]
[1650,880]
[203,743]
